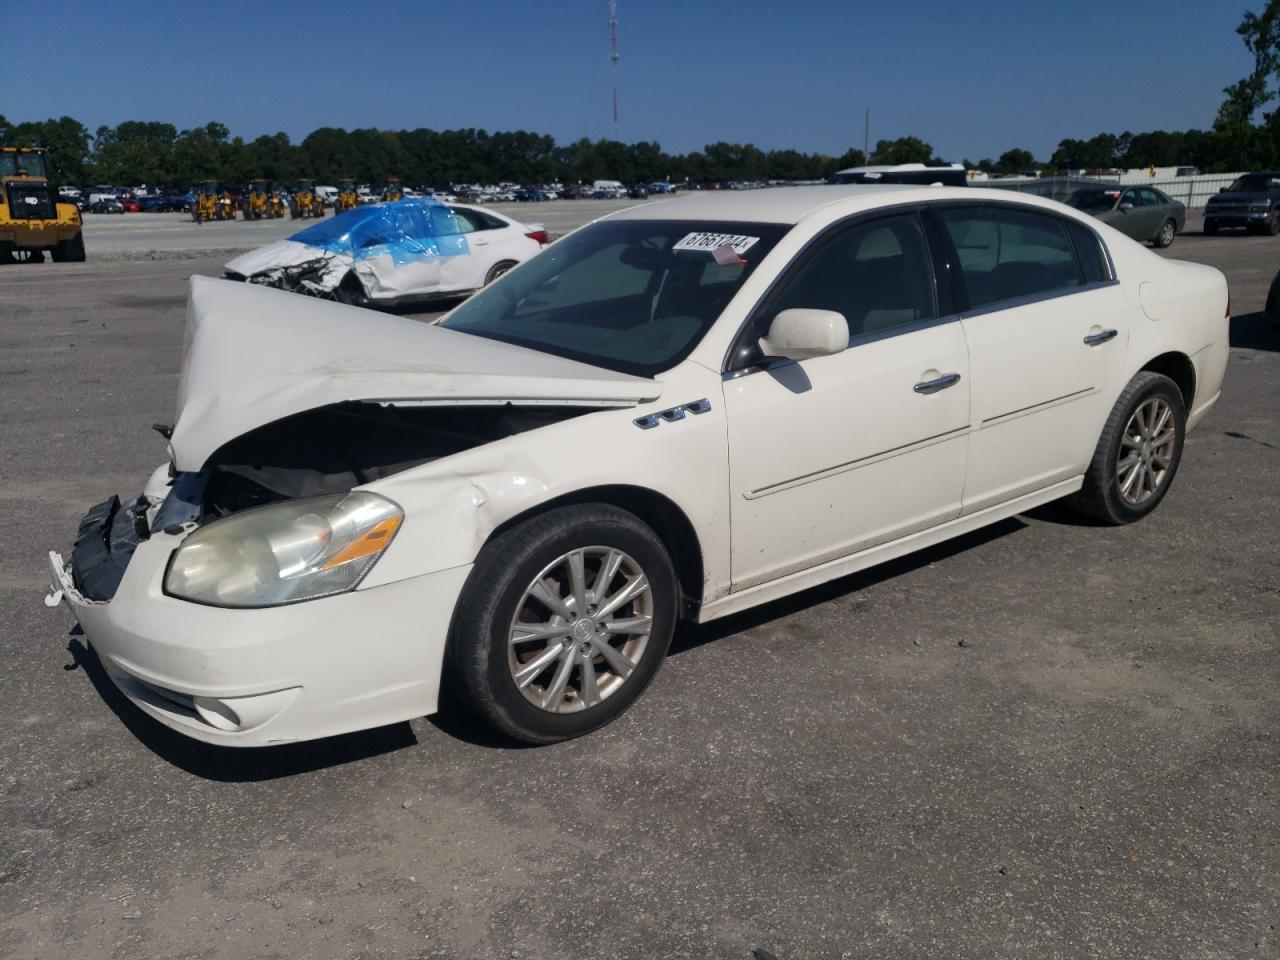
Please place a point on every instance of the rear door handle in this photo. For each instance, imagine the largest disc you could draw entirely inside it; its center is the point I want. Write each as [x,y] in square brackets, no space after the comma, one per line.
[479,242]
[1102,336]
[937,383]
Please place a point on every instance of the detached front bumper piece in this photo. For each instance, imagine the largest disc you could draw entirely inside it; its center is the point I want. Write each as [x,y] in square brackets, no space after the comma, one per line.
[251,677]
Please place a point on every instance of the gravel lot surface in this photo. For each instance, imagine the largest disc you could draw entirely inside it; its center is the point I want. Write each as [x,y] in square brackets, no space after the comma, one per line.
[168,236]
[1043,740]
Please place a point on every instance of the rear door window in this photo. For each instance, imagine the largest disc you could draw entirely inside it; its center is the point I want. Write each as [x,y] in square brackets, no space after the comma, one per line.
[1008,254]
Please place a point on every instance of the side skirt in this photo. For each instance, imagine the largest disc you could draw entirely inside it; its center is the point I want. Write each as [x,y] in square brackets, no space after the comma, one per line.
[834,569]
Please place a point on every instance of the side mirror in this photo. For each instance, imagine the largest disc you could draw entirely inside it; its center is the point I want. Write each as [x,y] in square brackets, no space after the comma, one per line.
[1223,189]
[800,333]
[1126,206]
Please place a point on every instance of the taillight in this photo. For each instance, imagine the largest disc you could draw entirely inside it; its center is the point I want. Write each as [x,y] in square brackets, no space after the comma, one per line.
[1228,313]
[540,236]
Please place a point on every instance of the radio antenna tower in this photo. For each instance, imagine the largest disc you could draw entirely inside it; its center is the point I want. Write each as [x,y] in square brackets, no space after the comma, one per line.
[613,59]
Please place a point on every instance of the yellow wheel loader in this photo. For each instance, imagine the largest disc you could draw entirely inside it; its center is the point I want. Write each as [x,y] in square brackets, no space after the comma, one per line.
[212,203]
[348,199]
[32,220]
[278,204]
[306,202]
[258,200]
[394,190]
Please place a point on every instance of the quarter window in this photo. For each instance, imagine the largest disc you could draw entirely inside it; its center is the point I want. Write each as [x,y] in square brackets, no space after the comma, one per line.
[876,274]
[1093,262]
[1007,254]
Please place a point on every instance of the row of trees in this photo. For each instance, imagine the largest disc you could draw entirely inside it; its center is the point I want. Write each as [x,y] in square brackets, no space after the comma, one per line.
[149,152]
[1244,135]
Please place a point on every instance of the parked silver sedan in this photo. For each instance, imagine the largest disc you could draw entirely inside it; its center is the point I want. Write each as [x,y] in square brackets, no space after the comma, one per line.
[1143,213]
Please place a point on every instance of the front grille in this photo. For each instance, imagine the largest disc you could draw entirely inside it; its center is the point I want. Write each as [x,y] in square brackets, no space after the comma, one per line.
[31,201]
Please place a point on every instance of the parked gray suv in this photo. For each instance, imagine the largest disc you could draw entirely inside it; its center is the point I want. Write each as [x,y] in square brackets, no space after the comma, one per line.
[1252,202]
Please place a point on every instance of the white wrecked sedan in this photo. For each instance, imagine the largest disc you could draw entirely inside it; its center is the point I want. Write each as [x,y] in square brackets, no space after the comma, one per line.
[677,412]
[386,253]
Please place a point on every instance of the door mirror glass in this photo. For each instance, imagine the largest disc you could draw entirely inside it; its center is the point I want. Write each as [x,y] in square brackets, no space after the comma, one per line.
[1126,205]
[800,333]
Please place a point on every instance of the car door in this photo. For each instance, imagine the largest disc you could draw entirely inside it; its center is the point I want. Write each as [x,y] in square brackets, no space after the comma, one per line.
[1158,208]
[1138,222]
[1046,328]
[836,454]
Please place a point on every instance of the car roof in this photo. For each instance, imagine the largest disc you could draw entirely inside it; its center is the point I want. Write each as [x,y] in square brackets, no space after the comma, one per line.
[790,205]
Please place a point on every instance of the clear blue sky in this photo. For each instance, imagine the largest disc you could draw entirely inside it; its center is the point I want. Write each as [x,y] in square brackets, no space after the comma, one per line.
[972,78]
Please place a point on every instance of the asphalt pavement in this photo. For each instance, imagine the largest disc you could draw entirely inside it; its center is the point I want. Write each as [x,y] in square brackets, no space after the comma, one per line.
[1043,740]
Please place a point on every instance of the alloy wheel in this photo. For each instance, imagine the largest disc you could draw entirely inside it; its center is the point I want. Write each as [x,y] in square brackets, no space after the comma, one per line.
[1146,451]
[580,629]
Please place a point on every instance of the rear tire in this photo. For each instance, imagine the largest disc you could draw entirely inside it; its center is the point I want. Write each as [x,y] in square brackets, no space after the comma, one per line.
[498,601]
[69,251]
[1138,453]
[498,269]
[1168,230]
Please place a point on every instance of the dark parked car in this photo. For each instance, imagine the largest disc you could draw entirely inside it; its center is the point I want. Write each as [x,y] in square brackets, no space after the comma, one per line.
[1273,303]
[1252,202]
[1143,213]
[106,206]
[638,191]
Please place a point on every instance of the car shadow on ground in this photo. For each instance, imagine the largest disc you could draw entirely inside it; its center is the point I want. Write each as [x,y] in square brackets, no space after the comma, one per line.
[1255,331]
[691,636]
[233,764]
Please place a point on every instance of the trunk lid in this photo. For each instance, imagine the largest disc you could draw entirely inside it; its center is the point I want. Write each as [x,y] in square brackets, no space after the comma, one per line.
[253,355]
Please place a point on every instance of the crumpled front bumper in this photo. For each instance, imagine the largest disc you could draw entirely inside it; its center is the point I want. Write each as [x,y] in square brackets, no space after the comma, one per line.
[272,675]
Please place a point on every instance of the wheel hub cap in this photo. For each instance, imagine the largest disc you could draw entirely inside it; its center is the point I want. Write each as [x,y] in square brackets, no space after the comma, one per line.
[1146,451]
[580,629]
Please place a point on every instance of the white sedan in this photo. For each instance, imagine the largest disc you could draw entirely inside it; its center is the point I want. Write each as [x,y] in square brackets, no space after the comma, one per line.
[387,253]
[675,413]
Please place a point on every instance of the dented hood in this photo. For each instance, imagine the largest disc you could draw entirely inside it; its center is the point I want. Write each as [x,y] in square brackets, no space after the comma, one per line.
[253,355]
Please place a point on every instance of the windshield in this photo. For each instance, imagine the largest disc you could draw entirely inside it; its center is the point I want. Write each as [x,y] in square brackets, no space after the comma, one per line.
[1093,200]
[17,164]
[1255,183]
[634,296]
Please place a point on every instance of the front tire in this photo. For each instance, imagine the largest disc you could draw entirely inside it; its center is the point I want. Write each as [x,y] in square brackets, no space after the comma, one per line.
[563,623]
[1211,228]
[1138,453]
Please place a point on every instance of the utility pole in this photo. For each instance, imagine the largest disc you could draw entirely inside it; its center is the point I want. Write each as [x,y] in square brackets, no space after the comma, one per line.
[866,137]
[613,59]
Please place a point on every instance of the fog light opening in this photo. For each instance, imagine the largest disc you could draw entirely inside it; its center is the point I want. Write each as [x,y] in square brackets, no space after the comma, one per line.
[217,714]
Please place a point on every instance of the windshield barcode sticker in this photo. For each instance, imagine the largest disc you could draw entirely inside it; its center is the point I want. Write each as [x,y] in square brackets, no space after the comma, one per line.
[709,242]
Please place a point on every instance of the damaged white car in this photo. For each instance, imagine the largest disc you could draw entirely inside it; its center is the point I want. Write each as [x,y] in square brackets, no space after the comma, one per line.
[388,253]
[679,411]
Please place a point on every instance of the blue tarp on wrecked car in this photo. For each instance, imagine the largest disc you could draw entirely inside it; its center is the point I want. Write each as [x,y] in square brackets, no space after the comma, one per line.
[406,230]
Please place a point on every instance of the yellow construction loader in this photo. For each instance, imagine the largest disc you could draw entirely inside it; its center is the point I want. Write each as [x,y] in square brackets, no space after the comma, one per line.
[31,218]
[278,204]
[306,202]
[212,203]
[257,200]
[394,190]
[347,199]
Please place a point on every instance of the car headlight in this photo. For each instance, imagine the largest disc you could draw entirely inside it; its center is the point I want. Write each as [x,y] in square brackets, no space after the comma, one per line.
[285,552]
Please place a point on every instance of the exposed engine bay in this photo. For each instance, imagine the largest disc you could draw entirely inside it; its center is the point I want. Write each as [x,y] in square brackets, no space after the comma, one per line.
[327,450]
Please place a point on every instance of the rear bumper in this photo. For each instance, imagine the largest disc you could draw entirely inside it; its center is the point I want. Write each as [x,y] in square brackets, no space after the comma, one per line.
[267,676]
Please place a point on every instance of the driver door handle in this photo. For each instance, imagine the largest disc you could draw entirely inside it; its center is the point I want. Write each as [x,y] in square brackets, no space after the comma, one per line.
[1102,336]
[937,383]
